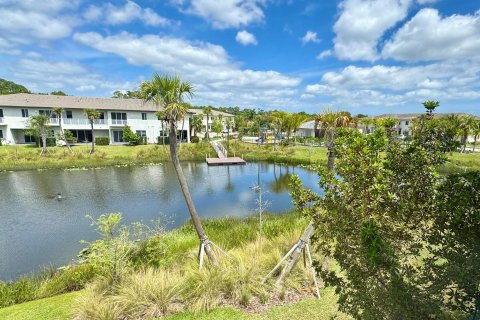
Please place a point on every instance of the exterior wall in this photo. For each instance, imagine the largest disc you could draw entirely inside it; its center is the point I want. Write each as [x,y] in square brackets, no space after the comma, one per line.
[305,132]
[13,123]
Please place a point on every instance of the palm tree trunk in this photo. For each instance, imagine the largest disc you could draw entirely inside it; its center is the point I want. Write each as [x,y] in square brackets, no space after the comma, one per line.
[92,150]
[331,160]
[43,134]
[62,132]
[474,143]
[186,194]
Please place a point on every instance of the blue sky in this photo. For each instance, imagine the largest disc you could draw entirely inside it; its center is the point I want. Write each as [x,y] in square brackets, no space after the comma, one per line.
[364,56]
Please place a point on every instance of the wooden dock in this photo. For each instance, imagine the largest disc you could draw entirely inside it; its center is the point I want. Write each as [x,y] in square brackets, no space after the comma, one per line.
[223,159]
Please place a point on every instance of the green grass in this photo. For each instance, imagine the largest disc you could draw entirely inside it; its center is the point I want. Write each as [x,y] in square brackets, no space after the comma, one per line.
[17,158]
[59,308]
[54,308]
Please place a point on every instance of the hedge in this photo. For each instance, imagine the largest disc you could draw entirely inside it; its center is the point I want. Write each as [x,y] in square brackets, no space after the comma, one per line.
[102,141]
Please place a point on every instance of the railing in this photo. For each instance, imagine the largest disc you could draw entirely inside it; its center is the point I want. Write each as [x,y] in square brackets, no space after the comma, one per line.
[119,122]
[80,121]
[1,119]
[53,121]
[220,149]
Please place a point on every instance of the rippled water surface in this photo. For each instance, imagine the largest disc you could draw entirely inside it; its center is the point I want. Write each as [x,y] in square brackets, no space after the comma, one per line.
[37,230]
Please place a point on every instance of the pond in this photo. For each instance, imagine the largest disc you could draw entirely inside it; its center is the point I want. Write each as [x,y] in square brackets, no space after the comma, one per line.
[37,230]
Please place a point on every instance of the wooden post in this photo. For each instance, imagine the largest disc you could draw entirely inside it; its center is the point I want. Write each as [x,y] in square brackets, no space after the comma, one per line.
[295,254]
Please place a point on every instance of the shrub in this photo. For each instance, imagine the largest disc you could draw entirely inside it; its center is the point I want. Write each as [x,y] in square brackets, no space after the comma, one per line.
[71,278]
[69,136]
[194,139]
[19,291]
[102,141]
[130,136]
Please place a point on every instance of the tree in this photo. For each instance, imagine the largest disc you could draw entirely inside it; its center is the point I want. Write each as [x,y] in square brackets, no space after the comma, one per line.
[161,116]
[330,122]
[229,125]
[295,121]
[430,106]
[476,133]
[130,136]
[207,111]
[277,121]
[40,123]
[58,93]
[196,123]
[374,219]
[170,91]
[127,95]
[92,115]
[58,112]
[217,126]
[466,125]
[9,87]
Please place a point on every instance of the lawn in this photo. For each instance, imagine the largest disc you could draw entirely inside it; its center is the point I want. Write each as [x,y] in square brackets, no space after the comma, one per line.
[17,158]
[59,308]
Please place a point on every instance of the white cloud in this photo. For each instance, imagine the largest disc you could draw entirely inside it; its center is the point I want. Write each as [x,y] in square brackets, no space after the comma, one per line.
[324,54]
[245,38]
[226,13]
[310,36]
[361,25]
[428,36]
[426,1]
[218,79]
[115,15]
[391,85]
[86,87]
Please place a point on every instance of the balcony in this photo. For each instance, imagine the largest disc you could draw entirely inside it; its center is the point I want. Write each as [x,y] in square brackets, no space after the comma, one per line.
[116,122]
[83,122]
[1,119]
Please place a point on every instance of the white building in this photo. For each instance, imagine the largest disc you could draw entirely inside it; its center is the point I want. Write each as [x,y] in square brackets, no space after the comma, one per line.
[306,129]
[15,110]
[215,115]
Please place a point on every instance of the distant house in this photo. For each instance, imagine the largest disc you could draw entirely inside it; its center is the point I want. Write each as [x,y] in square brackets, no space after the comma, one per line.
[15,110]
[306,129]
[215,115]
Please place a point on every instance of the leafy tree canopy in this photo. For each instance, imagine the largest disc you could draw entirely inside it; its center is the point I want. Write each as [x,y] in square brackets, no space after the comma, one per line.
[58,93]
[9,87]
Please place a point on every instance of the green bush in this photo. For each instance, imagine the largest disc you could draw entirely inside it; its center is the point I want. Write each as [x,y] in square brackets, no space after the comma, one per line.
[19,291]
[160,140]
[130,136]
[102,141]
[71,278]
[194,139]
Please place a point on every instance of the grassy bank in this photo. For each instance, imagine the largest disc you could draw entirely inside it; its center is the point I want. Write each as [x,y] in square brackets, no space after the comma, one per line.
[162,279]
[17,158]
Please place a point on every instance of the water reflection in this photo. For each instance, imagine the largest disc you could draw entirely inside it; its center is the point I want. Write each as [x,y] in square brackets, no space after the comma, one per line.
[37,230]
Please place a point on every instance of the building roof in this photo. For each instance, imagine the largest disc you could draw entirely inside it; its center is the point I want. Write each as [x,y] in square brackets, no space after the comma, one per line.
[72,102]
[409,116]
[308,125]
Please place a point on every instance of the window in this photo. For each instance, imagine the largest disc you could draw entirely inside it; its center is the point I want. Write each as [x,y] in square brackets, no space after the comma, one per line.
[406,123]
[117,135]
[24,113]
[47,113]
[119,117]
[102,115]
[29,138]
[1,113]
[1,134]
[141,133]
[163,133]
[69,114]
[144,116]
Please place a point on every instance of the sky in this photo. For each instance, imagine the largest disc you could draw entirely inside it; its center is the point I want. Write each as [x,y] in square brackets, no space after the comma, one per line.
[363,56]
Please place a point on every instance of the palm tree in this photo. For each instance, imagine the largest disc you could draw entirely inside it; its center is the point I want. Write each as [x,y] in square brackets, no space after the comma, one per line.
[466,124]
[196,123]
[161,116]
[229,125]
[92,115]
[278,121]
[170,92]
[39,123]
[430,106]
[208,112]
[58,111]
[330,122]
[296,120]
[476,133]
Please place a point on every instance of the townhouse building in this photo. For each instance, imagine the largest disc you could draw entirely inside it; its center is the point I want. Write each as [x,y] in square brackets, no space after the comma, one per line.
[115,114]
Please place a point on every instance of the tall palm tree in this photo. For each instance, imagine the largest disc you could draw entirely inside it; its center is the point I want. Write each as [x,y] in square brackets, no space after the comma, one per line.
[229,125]
[58,111]
[196,123]
[330,122]
[466,125]
[278,120]
[475,133]
[39,123]
[296,120]
[207,111]
[92,115]
[430,106]
[161,116]
[170,91]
